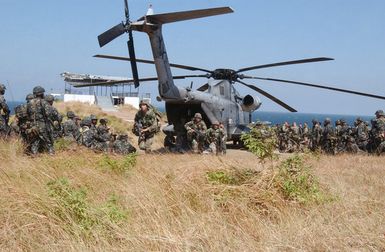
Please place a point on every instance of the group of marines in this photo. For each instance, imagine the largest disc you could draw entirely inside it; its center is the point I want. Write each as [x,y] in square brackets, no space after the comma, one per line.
[39,124]
[203,140]
[342,138]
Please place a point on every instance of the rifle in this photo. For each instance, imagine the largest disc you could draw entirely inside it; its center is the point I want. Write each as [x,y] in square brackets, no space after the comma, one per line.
[137,130]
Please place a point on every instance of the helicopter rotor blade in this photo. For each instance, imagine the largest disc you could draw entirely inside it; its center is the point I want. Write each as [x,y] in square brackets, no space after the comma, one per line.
[191,68]
[131,52]
[111,34]
[318,86]
[284,63]
[264,93]
[126,11]
[115,82]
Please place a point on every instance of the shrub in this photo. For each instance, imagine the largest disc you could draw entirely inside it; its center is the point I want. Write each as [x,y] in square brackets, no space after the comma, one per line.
[72,202]
[297,183]
[261,141]
[118,165]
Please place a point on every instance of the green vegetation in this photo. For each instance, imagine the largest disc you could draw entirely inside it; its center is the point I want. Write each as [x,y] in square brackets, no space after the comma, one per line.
[297,182]
[292,181]
[73,207]
[233,177]
[261,141]
[118,165]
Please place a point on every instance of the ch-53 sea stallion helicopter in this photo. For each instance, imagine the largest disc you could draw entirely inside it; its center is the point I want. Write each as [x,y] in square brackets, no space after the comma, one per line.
[216,100]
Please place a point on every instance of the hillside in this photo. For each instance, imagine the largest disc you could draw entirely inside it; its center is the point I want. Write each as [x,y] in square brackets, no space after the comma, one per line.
[80,200]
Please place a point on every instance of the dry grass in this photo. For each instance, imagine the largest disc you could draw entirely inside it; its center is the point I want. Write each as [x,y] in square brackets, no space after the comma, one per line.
[78,200]
[169,204]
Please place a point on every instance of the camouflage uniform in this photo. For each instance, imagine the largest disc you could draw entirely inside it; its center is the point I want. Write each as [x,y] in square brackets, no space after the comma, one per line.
[103,130]
[70,129]
[122,146]
[4,113]
[379,132]
[40,133]
[22,122]
[328,137]
[196,131]
[305,136]
[145,126]
[361,134]
[283,137]
[214,138]
[316,134]
[55,118]
[90,138]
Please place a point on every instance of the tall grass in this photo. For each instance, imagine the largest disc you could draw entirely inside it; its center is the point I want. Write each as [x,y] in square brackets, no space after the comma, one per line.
[79,200]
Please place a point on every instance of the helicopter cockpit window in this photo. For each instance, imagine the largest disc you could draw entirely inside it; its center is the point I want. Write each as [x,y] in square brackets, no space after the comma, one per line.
[222,90]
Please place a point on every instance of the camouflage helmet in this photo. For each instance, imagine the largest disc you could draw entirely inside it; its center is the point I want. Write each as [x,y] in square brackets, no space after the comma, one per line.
[338,122]
[327,120]
[215,122]
[122,137]
[314,121]
[2,87]
[343,121]
[29,97]
[379,113]
[70,114]
[103,120]
[49,98]
[144,102]
[93,117]
[38,90]
[359,119]
[198,115]
[86,121]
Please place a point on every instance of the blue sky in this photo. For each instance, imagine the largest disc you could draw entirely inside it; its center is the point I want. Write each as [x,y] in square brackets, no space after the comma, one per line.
[40,39]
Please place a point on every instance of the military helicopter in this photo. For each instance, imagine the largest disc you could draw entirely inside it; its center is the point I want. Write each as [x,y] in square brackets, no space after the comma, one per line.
[217,100]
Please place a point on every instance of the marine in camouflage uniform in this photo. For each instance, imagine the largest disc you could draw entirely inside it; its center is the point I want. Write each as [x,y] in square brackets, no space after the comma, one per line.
[89,138]
[4,113]
[40,134]
[305,136]
[70,129]
[145,126]
[94,122]
[196,131]
[379,132]
[22,123]
[283,137]
[214,138]
[316,134]
[103,130]
[328,137]
[122,146]
[55,118]
[361,134]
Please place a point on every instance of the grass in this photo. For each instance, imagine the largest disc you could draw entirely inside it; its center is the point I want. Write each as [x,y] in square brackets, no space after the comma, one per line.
[79,200]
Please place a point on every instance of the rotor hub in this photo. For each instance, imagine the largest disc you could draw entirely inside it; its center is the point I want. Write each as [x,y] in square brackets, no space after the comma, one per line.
[225,74]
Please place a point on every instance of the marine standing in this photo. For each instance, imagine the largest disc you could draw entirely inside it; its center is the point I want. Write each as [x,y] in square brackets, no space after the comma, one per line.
[40,134]
[55,118]
[4,113]
[145,126]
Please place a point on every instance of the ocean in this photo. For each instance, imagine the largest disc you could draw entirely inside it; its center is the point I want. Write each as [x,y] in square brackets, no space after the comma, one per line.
[301,118]
[276,117]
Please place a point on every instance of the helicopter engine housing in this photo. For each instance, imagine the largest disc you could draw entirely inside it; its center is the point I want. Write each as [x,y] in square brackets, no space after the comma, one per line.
[250,103]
